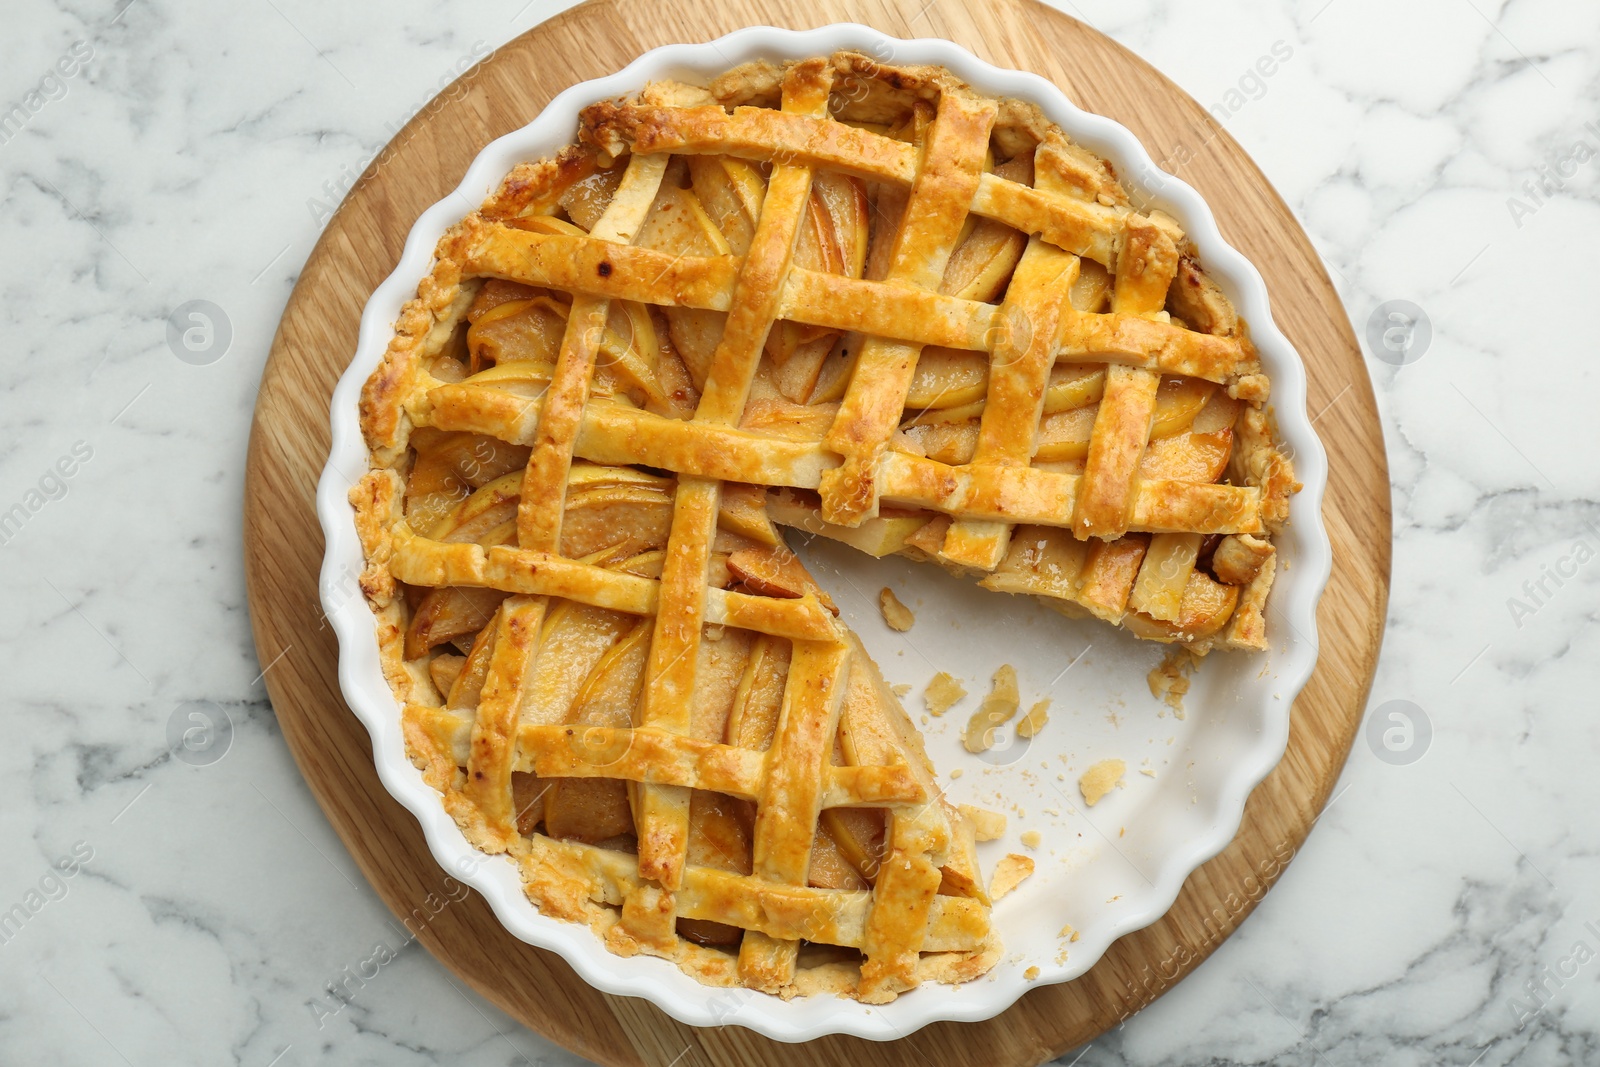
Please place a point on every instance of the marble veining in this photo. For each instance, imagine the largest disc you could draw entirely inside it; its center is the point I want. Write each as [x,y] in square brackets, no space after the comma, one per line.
[160,845]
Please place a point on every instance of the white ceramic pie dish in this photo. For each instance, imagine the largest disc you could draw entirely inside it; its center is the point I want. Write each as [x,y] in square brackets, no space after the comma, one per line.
[1106,872]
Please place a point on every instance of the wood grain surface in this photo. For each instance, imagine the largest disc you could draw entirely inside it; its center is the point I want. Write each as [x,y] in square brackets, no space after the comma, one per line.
[283,544]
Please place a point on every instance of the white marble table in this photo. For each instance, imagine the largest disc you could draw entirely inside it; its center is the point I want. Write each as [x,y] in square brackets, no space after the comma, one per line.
[1445,910]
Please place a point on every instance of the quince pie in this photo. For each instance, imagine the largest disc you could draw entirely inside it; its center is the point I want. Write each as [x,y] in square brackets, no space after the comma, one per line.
[860,300]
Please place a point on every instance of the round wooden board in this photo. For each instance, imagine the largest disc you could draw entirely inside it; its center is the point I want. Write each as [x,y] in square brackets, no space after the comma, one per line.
[289,442]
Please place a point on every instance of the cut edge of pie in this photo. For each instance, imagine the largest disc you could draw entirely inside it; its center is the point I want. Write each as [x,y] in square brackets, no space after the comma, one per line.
[828,294]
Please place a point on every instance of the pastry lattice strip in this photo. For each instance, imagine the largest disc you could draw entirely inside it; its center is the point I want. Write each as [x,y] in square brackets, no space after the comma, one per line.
[791,798]
[663,812]
[423,562]
[615,433]
[1019,374]
[519,619]
[948,169]
[586,265]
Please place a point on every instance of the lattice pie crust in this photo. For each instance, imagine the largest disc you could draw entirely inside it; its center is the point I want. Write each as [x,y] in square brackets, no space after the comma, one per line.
[860,300]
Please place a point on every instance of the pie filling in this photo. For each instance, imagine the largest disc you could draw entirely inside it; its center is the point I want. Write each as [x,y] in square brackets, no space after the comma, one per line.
[862,301]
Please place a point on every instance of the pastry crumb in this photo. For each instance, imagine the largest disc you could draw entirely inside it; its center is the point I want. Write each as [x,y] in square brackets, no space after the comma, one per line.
[942,693]
[901,689]
[987,825]
[1240,557]
[895,614]
[1101,779]
[1030,838]
[996,710]
[1031,723]
[956,772]
[1008,874]
[1169,679]
[1031,973]
[1068,932]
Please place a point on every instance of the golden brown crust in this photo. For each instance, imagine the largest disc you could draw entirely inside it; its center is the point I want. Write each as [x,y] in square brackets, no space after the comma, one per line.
[1260,462]
[787,239]
[376,500]
[424,324]
[536,188]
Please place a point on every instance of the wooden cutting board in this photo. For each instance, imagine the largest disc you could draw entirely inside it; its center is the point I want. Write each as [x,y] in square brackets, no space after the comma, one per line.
[289,442]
